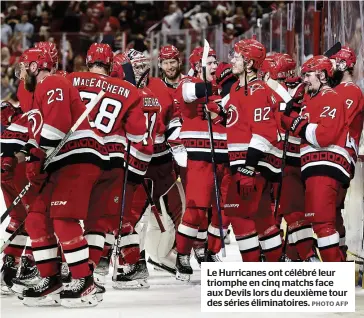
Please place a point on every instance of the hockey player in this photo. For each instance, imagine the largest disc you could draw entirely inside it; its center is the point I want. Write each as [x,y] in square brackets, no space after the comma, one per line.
[166,190]
[325,163]
[344,62]
[169,61]
[255,160]
[56,108]
[195,136]
[117,116]
[291,204]
[132,271]
[28,274]
[13,181]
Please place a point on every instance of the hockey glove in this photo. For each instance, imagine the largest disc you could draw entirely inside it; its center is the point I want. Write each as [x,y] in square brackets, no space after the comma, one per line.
[214,109]
[245,179]
[295,123]
[8,165]
[34,167]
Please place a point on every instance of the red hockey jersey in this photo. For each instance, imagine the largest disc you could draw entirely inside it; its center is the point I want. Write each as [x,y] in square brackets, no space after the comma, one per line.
[57,106]
[170,120]
[252,131]
[324,151]
[14,137]
[194,132]
[118,113]
[293,147]
[354,116]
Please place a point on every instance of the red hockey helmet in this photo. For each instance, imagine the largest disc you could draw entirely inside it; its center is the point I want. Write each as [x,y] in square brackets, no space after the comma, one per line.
[290,62]
[251,49]
[268,65]
[36,60]
[101,53]
[196,56]
[51,48]
[168,52]
[223,73]
[117,65]
[317,64]
[345,54]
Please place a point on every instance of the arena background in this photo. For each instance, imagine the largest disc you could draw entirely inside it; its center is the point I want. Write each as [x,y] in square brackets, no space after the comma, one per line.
[301,28]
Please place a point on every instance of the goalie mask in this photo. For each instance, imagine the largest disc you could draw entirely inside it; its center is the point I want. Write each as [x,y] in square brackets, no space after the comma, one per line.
[140,64]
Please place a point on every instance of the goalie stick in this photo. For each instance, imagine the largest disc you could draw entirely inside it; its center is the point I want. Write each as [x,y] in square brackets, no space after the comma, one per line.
[283,93]
[212,147]
[83,116]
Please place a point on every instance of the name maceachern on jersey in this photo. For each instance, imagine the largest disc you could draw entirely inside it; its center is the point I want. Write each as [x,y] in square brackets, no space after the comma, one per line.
[104,85]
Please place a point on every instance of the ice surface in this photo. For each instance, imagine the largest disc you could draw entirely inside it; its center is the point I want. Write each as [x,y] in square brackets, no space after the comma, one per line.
[165,296]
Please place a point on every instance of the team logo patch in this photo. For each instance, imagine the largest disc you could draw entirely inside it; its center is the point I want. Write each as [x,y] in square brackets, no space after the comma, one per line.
[255,87]
[36,120]
[232,115]
[116,199]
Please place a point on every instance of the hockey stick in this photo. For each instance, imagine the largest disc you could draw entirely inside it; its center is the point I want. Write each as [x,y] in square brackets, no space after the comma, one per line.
[54,152]
[209,122]
[47,162]
[123,202]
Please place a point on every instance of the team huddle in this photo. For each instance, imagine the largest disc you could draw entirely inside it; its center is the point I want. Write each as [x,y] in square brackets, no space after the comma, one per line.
[165,166]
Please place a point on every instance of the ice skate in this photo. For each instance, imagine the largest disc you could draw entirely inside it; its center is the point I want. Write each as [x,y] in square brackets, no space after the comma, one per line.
[45,293]
[132,276]
[101,271]
[199,254]
[100,291]
[8,273]
[212,257]
[28,276]
[183,267]
[80,293]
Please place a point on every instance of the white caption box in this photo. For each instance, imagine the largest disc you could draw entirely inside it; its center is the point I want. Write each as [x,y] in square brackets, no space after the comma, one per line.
[278,287]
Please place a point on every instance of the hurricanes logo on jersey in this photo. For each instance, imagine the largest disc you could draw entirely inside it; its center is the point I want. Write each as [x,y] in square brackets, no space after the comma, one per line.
[255,87]
[116,199]
[36,120]
[232,116]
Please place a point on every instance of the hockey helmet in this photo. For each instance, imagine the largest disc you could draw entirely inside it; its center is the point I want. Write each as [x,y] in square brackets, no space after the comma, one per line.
[168,52]
[51,48]
[345,54]
[250,49]
[318,63]
[99,53]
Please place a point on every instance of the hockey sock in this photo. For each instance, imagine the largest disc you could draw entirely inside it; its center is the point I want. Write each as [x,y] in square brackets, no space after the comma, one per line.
[109,242]
[74,246]
[188,229]
[95,241]
[130,251]
[247,238]
[44,243]
[214,241]
[328,242]
[271,242]
[202,233]
[300,234]
[16,247]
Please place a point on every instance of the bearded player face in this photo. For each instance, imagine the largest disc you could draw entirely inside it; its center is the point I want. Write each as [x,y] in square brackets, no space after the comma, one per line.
[312,82]
[171,68]
[30,81]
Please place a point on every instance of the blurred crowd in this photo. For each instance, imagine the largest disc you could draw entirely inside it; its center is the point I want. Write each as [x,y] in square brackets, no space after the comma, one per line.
[121,24]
